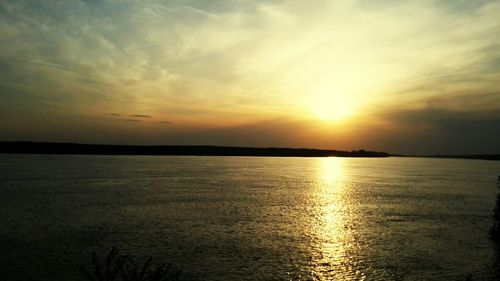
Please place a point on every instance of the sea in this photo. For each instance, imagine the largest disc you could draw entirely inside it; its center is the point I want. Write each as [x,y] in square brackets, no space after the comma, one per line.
[248,218]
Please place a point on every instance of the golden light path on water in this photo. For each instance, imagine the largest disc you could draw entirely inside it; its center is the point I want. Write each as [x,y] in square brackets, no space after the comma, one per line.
[336,244]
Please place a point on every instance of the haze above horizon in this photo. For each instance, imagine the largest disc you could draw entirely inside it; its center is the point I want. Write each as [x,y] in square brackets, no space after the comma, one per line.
[412,77]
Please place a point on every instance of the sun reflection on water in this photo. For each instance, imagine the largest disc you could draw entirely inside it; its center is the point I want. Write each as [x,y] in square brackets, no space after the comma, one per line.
[331,170]
[335,242]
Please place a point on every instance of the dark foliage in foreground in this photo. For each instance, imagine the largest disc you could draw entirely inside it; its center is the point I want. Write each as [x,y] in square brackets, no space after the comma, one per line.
[117,267]
[492,273]
[495,229]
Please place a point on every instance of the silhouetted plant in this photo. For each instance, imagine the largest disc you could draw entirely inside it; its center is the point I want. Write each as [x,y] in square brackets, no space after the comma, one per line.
[493,272]
[107,272]
[495,229]
[122,267]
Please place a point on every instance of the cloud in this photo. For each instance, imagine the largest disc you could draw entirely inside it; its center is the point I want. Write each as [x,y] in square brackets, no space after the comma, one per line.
[440,131]
[140,115]
[132,120]
[115,48]
[451,121]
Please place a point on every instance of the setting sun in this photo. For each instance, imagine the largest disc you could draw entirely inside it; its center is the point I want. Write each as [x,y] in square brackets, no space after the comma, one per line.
[333,108]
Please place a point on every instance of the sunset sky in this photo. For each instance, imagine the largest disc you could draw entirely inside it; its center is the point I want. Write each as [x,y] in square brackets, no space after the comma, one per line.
[398,76]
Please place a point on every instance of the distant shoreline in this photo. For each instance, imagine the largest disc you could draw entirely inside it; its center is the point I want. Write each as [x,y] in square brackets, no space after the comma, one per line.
[27,147]
[493,157]
[22,147]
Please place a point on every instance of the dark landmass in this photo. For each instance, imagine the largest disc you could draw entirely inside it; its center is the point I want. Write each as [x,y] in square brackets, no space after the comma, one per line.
[199,150]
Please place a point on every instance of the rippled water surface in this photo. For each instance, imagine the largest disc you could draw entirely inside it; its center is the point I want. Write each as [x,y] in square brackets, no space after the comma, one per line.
[248,218]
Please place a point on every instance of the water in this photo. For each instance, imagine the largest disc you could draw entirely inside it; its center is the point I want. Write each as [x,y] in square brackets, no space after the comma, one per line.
[248,218]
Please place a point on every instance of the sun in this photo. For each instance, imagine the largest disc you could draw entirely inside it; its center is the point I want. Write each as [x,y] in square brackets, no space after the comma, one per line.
[332,107]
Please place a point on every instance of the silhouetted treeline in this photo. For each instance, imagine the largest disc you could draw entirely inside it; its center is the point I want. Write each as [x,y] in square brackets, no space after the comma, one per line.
[200,150]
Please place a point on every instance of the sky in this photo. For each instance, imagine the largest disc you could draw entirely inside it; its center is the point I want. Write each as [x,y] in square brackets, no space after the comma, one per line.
[412,77]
